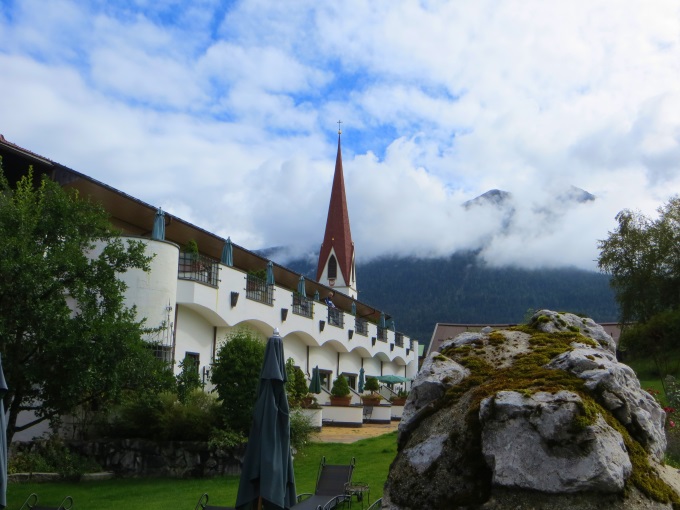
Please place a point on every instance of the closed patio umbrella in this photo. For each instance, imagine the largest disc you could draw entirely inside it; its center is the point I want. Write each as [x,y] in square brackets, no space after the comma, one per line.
[270,273]
[316,296]
[3,440]
[354,308]
[267,471]
[158,232]
[315,384]
[362,379]
[228,253]
[382,320]
[301,287]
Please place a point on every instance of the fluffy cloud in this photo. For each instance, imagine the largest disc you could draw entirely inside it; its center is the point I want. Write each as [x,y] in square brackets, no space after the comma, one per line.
[224,115]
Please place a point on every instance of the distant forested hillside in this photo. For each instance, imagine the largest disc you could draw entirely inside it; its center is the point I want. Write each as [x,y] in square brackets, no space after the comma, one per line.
[419,293]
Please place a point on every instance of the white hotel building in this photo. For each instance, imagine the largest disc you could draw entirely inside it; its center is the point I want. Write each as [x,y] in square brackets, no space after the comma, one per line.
[197,301]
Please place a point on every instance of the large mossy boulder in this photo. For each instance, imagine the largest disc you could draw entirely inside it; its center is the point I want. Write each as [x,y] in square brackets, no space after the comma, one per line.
[536,416]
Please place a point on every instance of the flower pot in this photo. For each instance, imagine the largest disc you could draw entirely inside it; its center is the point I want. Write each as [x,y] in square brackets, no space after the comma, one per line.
[371,400]
[341,401]
[398,401]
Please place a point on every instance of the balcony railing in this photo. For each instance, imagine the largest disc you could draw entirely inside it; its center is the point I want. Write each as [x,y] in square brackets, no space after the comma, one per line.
[399,339]
[336,317]
[382,334]
[303,306]
[258,290]
[360,326]
[198,268]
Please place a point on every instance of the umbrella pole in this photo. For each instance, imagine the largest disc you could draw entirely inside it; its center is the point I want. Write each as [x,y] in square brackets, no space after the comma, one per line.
[259,503]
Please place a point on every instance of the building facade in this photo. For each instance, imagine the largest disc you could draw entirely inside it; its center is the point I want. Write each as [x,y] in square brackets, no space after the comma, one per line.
[195,299]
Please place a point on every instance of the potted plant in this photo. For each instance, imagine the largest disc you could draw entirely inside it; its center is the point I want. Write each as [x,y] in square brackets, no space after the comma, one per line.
[373,398]
[190,257]
[340,394]
[400,398]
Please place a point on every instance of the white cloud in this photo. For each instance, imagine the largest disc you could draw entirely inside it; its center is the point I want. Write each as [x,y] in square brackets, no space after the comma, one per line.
[224,114]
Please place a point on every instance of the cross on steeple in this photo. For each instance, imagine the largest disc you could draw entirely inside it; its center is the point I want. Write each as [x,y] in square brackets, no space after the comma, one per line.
[339,130]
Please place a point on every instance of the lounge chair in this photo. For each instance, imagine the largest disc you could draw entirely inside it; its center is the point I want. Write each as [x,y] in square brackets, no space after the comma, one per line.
[203,504]
[31,503]
[330,487]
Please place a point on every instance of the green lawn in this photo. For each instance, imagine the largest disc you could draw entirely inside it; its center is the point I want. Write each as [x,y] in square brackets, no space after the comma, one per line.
[373,459]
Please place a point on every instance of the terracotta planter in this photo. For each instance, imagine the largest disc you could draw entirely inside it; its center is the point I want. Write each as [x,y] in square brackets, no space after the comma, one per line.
[398,401]
[341,401]
[371,401]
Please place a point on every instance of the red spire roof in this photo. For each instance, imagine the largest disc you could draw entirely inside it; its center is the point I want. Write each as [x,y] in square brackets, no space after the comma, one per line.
[338,235]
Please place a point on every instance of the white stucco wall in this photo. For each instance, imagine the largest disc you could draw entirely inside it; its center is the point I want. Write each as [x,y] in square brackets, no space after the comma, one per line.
[194,334]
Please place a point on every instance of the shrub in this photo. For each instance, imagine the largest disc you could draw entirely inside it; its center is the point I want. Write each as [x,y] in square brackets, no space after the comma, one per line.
[301,430]
[236,374]
[340,387]
[296,387]
[372,384]
[165,417]
[52,456]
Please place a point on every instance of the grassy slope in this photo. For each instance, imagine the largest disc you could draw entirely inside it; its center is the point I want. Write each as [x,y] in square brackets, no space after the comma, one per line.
[373,459]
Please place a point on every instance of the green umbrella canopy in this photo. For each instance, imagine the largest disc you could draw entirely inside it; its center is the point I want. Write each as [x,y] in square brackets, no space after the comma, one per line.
[392,379]
[158,232]
[301,287]
[270,273]
[228,253]
[315,384]
[267,470]
[362,379]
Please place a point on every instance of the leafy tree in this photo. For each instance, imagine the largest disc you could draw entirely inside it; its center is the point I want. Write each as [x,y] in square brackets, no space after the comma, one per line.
[643,258]
[236,374]
[656,339]
[66,337]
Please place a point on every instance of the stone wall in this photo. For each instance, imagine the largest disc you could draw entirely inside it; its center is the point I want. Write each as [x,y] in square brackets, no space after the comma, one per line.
[174,459]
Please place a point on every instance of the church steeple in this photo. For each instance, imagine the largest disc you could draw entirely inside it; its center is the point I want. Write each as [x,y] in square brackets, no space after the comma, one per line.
[336,258]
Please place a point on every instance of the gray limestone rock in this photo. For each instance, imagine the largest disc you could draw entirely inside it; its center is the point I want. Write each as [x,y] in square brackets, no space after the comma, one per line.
[436,375]
[490,425]
[557,321]
[617,388]
[535,442]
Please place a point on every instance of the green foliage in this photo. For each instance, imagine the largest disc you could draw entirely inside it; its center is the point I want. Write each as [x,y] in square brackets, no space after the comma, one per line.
[225,439]
[340,387]
[296,387]
[236,374]
[51,456]
[188,379]
[66,337]
[164,417]
[191,247]
[642,258]
[372,384]
[301,430]
[656,339]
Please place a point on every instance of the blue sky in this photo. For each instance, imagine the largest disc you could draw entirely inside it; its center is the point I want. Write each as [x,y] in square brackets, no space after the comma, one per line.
[224,113]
